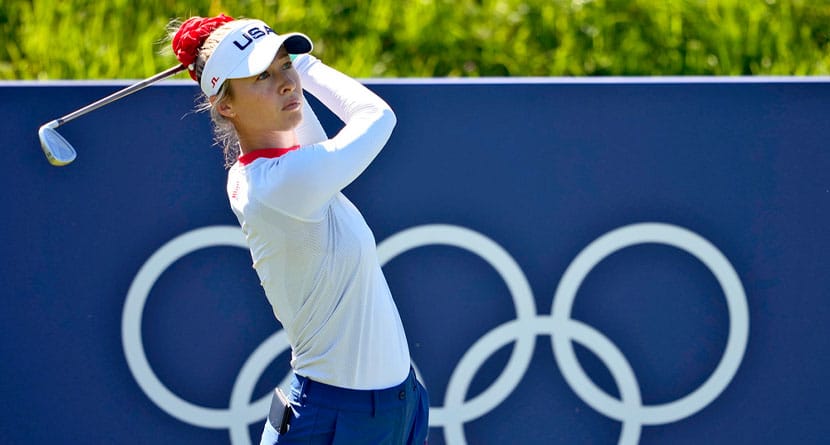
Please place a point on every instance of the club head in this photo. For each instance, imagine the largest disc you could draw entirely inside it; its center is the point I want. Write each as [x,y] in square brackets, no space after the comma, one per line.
[58,151]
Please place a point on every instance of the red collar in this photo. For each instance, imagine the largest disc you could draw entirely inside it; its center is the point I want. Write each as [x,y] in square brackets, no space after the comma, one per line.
[252,156]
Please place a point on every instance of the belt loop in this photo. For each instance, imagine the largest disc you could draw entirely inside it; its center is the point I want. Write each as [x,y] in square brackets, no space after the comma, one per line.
[413,378]
[303,390]
[374,403]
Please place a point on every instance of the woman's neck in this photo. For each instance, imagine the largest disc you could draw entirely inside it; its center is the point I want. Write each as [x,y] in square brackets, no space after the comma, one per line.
[273,139]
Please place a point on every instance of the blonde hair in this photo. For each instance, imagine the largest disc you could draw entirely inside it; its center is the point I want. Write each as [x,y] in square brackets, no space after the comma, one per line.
[224,133]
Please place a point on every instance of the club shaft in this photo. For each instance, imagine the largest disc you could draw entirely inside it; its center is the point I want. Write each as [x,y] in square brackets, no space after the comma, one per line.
[119,94]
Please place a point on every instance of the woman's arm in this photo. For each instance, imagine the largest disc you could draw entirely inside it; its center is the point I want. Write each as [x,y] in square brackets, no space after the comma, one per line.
[310,131]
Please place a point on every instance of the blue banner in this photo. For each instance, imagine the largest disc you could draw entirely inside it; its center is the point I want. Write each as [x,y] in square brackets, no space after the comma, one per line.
[623,261]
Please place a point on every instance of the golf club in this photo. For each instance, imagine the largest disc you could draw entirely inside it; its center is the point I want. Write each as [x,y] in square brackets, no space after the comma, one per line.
[58,151]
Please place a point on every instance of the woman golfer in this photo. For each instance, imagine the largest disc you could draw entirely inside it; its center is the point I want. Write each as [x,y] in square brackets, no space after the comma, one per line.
[313,251]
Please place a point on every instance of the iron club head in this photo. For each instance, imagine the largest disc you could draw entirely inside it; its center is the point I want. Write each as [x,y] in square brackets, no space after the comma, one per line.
[58,151]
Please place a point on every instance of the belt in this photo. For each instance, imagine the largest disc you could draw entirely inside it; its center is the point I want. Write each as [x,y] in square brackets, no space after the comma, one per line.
[367,401]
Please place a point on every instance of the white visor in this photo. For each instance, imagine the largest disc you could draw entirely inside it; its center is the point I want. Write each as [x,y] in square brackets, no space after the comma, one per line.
[247,50]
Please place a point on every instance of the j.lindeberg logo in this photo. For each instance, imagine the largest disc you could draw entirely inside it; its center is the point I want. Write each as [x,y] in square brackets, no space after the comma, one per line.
[251,34]
[628,409]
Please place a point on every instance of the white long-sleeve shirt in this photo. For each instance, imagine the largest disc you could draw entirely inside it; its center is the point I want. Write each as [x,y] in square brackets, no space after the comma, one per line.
[312,249]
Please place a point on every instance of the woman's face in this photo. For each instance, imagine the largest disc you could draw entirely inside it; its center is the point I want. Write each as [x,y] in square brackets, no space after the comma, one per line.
[265,103]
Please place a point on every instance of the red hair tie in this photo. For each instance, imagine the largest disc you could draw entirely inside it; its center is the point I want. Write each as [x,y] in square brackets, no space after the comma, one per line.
[190,37]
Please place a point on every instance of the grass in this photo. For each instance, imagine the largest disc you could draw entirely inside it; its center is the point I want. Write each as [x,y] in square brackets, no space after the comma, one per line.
[85,39]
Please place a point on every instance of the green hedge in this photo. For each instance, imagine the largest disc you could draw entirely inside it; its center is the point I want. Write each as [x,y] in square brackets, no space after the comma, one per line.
[92,39]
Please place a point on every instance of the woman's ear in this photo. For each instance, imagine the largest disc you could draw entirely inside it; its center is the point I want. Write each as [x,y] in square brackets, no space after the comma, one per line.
[224,107]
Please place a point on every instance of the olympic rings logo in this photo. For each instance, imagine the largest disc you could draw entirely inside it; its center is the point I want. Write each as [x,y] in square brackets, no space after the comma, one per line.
[628,409]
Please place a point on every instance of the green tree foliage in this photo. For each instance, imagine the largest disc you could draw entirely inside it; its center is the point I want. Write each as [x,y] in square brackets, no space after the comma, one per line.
[93,39]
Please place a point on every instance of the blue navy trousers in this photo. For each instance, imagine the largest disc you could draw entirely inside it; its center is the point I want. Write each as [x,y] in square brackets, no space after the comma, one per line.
[328,415]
